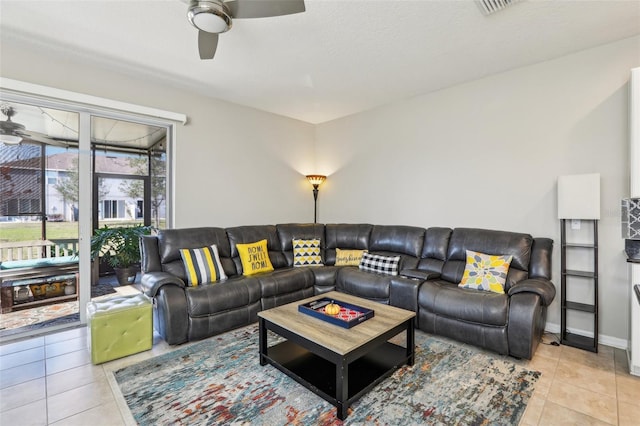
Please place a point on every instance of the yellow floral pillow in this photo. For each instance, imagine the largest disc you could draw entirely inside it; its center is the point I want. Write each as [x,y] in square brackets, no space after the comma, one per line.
[485,272]
[348,257]
[254,258]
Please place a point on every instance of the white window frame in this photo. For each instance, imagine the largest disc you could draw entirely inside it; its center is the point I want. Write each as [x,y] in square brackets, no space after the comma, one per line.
[86,106]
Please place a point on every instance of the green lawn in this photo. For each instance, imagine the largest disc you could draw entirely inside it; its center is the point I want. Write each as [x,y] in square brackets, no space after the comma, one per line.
[26,231]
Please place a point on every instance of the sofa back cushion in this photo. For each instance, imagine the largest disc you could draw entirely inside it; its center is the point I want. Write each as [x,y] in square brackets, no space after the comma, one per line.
[435,249]
[489,242]
[252,234]
[345,236]
[393,240]
[170,241]
[397,239]
[303,231]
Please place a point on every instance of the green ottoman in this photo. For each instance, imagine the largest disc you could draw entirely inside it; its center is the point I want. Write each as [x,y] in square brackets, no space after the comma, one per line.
[119,326]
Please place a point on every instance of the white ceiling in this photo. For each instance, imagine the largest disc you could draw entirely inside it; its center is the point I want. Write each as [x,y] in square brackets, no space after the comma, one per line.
[335,59]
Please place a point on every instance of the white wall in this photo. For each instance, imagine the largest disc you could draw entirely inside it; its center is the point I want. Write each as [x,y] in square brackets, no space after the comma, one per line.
[483,154]
[234,165]
[488,153]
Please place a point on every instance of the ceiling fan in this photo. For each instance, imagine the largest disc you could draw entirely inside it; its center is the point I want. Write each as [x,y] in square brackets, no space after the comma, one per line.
[12,133]
[213,17]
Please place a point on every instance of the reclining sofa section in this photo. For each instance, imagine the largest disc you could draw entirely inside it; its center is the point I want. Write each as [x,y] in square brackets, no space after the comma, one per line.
[431,266]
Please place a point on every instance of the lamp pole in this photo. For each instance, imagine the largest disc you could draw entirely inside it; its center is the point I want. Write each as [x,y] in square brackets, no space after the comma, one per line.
[315,180]
[315,203]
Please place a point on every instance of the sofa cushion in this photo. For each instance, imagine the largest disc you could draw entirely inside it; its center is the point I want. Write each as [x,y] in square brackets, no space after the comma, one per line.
[254,258]
[485,272]
[325,278]
[398,239]
[434,251]
[448,300]
[235,293]
[38,263]
[345,236]
[306,252]
[489,242]
[304,231]
[348,257]
[170,241]
[286,285]
[364,284]
[202,265]
[389,265]
[251,234]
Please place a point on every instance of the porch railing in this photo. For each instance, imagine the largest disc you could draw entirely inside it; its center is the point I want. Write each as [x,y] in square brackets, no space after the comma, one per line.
[37,249]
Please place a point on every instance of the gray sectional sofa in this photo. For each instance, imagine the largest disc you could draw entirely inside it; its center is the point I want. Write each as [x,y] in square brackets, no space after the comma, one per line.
[432,264]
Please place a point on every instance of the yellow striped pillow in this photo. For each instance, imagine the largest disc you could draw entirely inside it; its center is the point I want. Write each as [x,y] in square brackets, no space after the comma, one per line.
[202,265]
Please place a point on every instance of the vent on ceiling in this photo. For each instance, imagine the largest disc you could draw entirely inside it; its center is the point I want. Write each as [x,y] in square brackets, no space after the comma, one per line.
[489,7]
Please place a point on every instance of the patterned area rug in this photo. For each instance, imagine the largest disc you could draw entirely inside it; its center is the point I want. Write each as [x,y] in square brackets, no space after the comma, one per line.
[48,315]
[220,381]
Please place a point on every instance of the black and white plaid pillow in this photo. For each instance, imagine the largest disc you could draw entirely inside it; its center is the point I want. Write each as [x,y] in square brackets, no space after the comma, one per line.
[381,264]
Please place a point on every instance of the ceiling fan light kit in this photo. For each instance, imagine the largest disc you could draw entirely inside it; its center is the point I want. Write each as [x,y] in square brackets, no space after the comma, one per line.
[213,17]
[10,139]
[9,130]
[210,16]
[12,133]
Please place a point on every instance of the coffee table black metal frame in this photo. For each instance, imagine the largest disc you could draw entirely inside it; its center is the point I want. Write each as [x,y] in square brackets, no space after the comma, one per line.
[339,379]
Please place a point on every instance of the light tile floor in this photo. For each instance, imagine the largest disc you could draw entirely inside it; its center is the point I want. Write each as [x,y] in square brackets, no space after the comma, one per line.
[50,380]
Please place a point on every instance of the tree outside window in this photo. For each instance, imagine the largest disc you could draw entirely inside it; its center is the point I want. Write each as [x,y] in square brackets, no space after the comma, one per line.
[135,188]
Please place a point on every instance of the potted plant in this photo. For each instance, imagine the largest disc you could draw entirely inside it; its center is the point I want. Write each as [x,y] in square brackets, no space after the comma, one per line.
[119,248]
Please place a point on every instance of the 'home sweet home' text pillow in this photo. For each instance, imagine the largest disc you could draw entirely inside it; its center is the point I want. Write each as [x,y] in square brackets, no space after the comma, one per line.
[254,258]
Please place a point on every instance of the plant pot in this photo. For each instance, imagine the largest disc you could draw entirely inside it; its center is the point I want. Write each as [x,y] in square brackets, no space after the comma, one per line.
[95,272]
[126,276]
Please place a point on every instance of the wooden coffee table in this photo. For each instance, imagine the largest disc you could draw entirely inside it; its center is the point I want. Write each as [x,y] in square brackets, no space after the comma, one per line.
[338,364]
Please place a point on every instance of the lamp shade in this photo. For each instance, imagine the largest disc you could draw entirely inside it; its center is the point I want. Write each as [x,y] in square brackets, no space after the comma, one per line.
[579,196]
[316,179]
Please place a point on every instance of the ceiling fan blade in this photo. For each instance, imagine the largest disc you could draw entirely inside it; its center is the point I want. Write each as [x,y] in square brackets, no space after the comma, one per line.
[39,137]
[207,44]
[264,8]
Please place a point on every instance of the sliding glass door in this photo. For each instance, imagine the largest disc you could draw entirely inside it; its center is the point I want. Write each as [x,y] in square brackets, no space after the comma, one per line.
[75,169]
[39,218]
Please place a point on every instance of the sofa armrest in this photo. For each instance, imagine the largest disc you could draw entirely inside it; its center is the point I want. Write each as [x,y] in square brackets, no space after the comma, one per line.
[419,274]
[527,318]
[403,293]
[152,281]
[543,288]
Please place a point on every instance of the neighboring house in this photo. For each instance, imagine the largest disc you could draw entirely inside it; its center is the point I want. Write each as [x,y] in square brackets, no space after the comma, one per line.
[22,191]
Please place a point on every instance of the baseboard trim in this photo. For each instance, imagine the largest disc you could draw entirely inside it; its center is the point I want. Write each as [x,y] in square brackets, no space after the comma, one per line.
[603,339]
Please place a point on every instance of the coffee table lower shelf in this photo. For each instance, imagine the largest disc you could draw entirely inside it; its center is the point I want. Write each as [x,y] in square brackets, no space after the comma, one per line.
[319,375]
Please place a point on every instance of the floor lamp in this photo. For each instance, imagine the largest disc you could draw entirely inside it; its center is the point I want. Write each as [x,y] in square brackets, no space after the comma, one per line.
[315,180]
